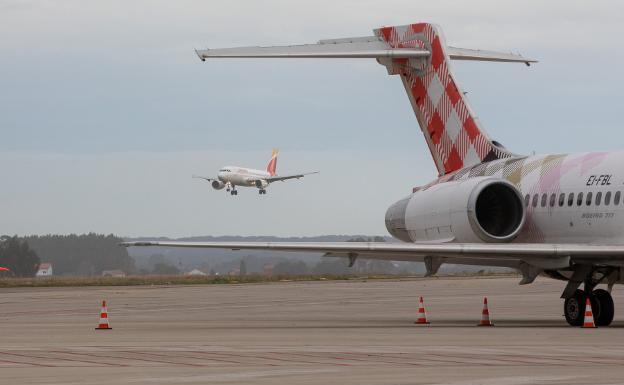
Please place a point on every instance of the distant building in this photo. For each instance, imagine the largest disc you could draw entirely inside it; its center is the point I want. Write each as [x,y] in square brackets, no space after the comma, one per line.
[113,273]
[195,272]
[234,272]
[45,270]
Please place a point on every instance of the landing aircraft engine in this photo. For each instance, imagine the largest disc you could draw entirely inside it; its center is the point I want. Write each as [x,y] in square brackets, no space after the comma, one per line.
[217,184]
[483,209]
[261,183]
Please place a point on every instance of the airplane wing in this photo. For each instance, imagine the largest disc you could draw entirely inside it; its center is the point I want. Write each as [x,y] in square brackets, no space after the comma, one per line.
[282,178]
[542,256]
[203,177]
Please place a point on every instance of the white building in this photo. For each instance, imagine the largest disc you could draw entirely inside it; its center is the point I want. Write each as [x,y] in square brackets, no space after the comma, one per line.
[45,270]
[195,272]
[113,273]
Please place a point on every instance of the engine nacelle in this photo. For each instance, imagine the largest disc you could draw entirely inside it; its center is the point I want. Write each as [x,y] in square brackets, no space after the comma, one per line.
[261,183]
[217,184]
[483,209]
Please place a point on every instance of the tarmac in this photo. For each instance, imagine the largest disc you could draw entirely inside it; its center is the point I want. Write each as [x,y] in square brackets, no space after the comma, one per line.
[331,332]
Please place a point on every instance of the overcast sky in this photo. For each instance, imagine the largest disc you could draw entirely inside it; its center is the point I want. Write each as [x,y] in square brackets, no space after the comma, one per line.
[106,112]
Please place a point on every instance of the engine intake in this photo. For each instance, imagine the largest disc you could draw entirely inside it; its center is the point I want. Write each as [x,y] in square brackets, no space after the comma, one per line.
[217,184]
[498,211]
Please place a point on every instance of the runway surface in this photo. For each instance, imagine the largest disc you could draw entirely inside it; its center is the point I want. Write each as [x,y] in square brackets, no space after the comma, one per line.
[351,332]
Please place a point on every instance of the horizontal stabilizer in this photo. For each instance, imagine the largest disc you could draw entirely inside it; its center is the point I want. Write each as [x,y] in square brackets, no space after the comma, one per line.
[365,47]
[481,55]
[359,50]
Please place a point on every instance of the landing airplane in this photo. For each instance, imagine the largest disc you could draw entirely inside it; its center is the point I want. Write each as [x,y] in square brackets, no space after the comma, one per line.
[232,176]
[556,215]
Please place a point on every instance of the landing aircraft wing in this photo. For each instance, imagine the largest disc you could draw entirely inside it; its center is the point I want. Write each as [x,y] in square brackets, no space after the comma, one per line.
[203,177]
[282,178]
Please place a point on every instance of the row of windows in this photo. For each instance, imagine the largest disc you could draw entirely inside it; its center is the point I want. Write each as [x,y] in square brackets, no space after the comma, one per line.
[590,199]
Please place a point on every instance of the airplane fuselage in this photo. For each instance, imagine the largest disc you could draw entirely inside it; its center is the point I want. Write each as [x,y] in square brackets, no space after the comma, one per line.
[241,176]
[577,198]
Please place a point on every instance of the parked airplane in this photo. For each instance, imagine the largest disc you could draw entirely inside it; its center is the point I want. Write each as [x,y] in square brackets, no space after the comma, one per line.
[559,216]
[232,176]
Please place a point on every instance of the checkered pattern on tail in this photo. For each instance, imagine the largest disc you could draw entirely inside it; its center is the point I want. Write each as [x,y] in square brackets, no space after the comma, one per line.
[452,132]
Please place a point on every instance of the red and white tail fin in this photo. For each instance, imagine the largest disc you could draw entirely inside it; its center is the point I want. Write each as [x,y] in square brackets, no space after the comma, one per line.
[452,131]
[419,54]
[272,166]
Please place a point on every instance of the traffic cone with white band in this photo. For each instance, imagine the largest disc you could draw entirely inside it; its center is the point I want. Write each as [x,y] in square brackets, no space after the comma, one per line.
[422,314]
[485,315]
[588,322]
[104,325]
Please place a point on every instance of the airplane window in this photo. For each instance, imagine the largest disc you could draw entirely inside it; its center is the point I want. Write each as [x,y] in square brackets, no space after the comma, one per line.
[608,198]
[570,199]
[535,200]
[544,198]
[616,198]
[562,199]
[553,198]
[598,198]
[527,199]
[588,201]
[579,199]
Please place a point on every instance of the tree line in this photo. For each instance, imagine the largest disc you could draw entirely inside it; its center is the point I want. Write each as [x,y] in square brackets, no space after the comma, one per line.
[18,257]
[85,254]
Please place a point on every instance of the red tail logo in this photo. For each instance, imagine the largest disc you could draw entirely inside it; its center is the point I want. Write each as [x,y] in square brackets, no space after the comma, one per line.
[272,166]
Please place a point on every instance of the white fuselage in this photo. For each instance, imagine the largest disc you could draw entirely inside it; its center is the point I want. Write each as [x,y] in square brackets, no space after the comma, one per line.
[577,198]
[241,176]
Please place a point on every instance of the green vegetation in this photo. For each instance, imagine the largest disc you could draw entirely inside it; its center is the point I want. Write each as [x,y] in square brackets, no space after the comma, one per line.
[17,255]
[86,254]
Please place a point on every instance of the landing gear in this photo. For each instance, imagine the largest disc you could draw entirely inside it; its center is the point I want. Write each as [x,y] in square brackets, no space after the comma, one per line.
[574,308]
[262,191]
[602,307]
[234,192]
[605,307]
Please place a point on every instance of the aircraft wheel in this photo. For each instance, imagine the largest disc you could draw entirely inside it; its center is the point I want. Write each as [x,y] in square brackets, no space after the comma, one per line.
[574,308]
[603,308]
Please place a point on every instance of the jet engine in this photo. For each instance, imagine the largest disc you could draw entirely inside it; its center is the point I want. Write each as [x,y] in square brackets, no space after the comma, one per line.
[261,183]
[483,209]
[217,184]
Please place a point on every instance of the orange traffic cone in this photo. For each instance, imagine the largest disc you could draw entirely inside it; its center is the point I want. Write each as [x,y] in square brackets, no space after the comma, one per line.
[103,318]
[588,322]
[422,315]
[485,315]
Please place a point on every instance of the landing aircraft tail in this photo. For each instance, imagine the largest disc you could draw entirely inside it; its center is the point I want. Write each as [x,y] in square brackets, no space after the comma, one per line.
[419,55]
[272,166]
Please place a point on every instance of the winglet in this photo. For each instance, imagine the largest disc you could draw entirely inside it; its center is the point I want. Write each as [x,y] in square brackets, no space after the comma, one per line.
[202,58]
